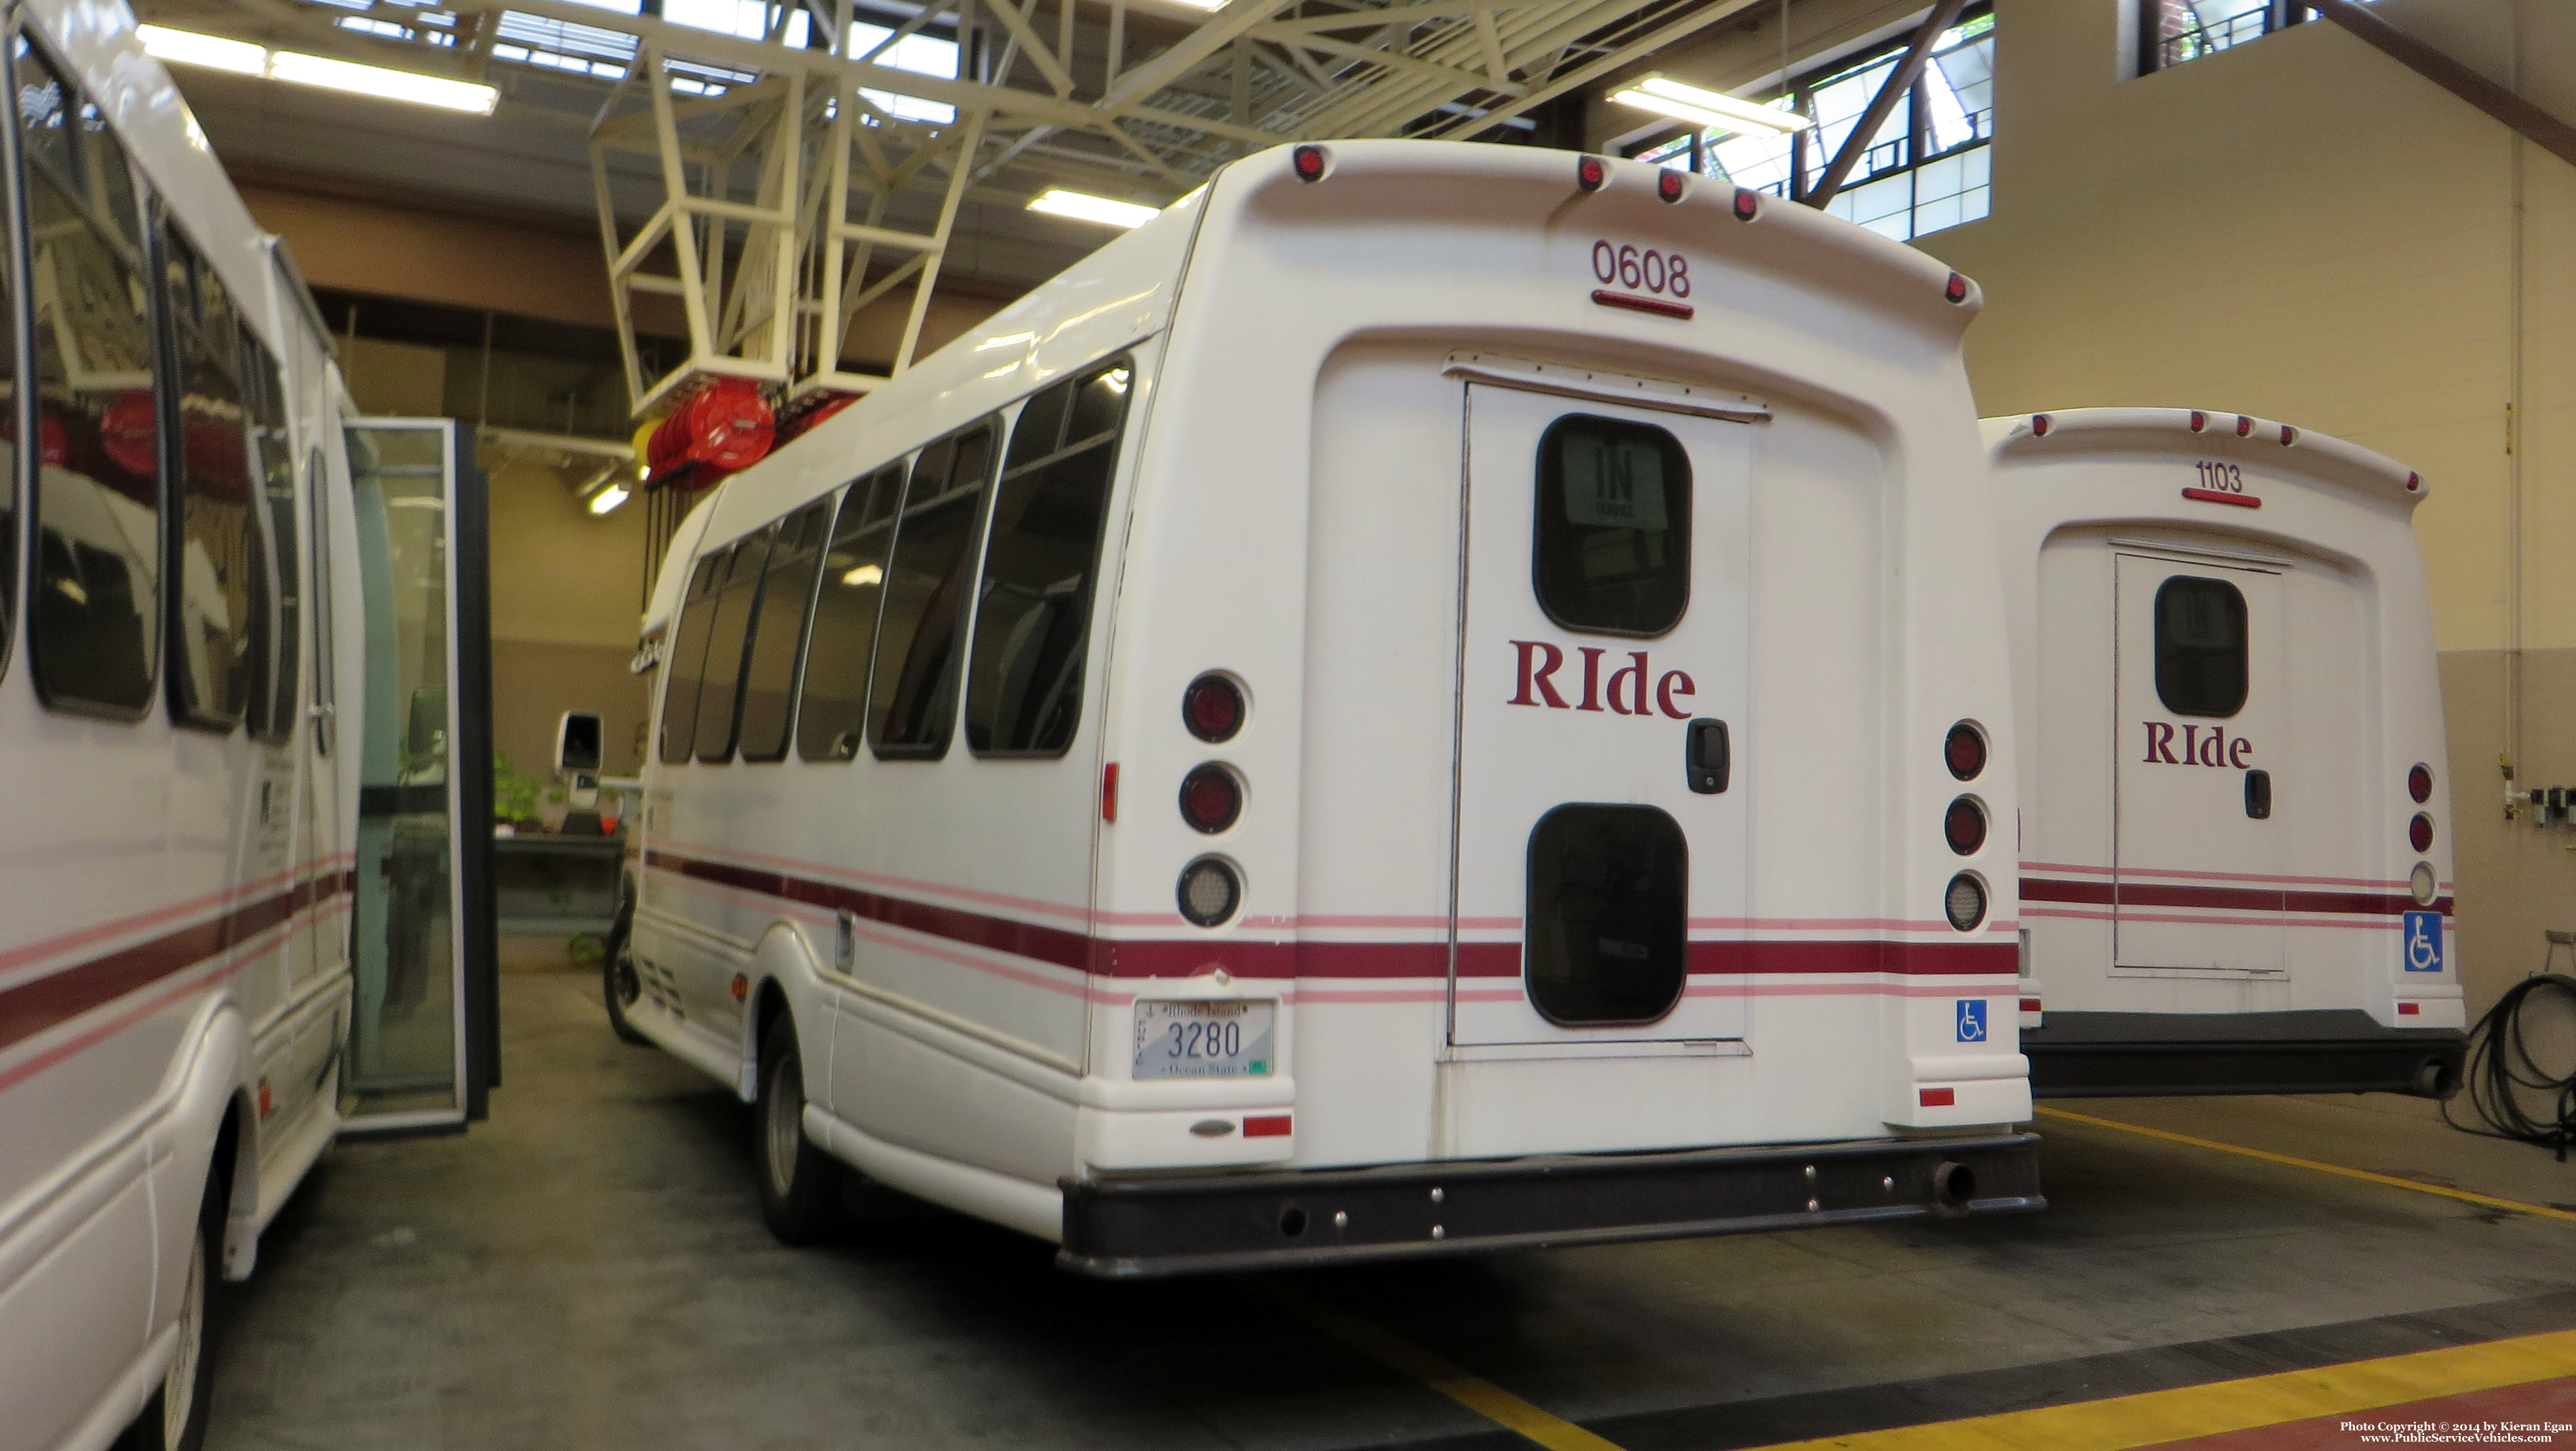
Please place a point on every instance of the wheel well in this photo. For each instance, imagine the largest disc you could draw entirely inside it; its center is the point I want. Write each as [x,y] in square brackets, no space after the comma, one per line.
[223,1172]
[769,1007]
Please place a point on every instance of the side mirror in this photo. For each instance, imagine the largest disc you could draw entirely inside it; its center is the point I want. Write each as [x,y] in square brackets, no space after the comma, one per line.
[577,738]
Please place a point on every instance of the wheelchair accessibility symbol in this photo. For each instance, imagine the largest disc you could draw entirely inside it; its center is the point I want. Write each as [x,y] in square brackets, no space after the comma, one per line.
[1972,1020]
[2423,942]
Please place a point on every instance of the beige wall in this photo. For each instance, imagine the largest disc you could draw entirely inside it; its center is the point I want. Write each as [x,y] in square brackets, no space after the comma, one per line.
[2301,228]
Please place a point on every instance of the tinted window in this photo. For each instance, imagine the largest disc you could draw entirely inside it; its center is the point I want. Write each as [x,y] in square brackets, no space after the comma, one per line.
[94,613]
[833,714]
[2200,646]
[272,707]
[1033,620]
[912,693]
[1611,546]
[221,601]
[688,655]
[769,671]
[728,629]
[325,697]
[1609,901]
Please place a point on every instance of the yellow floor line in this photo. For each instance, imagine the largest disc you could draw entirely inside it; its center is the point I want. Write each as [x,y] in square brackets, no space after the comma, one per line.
[1477,1394]
[2122,1423]
[2466,1196]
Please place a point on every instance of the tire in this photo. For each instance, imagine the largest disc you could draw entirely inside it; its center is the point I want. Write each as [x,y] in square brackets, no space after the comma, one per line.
[800,1190]
[619,987]
[175,1418]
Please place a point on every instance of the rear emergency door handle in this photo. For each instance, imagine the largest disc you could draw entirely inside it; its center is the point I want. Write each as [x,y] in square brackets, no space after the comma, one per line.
[2258,794]
[1706,757]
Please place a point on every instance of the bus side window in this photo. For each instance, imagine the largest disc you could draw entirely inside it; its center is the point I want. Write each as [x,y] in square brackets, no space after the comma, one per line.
[272,463]
[786,593]
[94,617]
[1041,564]
[219,564]
[688,652]
[325,696]
[728,635]
[843,637]
[912,694]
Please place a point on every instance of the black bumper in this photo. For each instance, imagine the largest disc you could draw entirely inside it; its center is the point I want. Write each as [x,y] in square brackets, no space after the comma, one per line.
[2137,1055]
[1117,1228]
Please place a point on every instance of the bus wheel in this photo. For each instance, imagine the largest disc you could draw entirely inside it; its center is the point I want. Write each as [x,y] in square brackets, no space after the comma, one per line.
[175,1418]
[620,988]
[799,1183]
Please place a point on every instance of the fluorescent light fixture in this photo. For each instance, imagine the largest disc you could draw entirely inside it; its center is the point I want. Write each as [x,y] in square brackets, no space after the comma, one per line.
[1082,206]
[187,47]
[1708,109]
[608,499]
[865,574]
[391,85]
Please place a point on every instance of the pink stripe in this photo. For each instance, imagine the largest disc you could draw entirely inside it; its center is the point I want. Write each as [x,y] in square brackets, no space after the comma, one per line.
[2382,924]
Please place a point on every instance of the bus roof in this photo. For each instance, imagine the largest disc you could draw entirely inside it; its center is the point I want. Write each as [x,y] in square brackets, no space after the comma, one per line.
[2072,432]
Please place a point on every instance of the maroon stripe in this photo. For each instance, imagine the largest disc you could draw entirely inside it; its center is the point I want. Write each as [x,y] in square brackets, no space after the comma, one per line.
[33,1007]
[2248,899]
[1245,957]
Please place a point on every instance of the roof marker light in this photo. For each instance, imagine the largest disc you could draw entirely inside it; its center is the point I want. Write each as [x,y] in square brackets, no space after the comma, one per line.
[1748,203]
[1309,162]
[2414,483]
[2199,420]
[1956,289]
[1590,172]
[2039,425]
[2244,426]
[2289,435]
[1668,184]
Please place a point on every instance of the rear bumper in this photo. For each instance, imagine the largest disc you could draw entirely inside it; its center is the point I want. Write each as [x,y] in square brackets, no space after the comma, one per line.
[2136,1055]
[1119,1228]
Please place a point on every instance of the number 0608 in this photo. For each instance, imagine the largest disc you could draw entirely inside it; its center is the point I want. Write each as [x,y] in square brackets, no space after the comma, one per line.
[1622,264]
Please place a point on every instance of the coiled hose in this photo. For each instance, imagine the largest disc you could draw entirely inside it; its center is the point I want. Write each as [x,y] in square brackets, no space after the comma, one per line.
[2502,1076]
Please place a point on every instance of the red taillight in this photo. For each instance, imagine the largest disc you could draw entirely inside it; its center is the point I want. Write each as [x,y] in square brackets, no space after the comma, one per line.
[1748,203]
[1308,162]
[2039,425]
[2419,783]
[2244,426]
[2409,1010]
[1266,1125]
[2419,832]
[2199,420]
[1668,184]
[1212,708]
[1590,172]
[1109,792]
[1937,1097]
[1211,798]
[1964,825]
[1965,751]
[1956,289]
[2289,435]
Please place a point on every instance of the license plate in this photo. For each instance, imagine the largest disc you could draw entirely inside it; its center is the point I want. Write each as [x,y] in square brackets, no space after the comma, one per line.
[1203,1040]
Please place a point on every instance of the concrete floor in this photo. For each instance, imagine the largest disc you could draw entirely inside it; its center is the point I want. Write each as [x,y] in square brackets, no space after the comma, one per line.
[588,1269]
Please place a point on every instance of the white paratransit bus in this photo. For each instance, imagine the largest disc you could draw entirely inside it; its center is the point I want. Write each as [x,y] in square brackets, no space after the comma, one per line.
[2236,846]
[213,639]
[1431,697]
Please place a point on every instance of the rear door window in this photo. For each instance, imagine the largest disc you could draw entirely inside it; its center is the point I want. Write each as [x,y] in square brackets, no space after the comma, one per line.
[1610,552]
[1041,562]
[1608,914]
[2201,647]
[912,693]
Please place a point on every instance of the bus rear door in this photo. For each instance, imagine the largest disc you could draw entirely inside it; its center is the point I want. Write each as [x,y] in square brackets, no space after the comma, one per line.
[1601,803]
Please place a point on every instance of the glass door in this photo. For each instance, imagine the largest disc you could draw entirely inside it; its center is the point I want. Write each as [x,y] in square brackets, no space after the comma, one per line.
[423,1048]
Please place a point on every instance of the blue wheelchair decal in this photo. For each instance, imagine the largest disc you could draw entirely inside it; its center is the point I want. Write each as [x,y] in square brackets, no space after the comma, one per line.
[1972,1020]
[2423,942]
